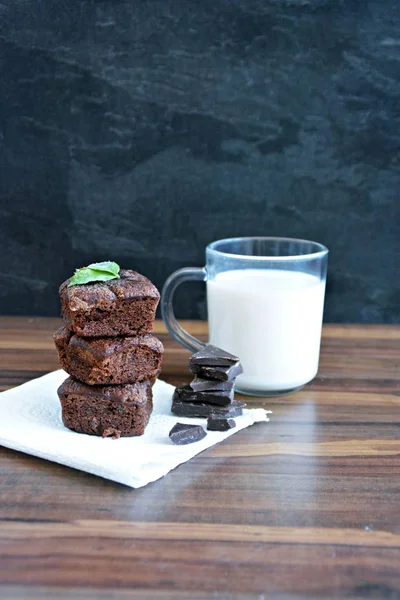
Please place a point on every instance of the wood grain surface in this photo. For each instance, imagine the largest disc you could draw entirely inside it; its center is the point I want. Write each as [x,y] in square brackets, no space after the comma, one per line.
[305,507]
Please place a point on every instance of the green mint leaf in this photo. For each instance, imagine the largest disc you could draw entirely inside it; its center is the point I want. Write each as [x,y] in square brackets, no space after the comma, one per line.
[105,267]
[94,273]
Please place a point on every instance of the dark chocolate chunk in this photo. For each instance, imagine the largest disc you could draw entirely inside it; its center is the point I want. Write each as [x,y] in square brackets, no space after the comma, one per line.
[195,409]
[220,424]
[183,434]
[211,385]
[186,394]
[212,356]
[220,373]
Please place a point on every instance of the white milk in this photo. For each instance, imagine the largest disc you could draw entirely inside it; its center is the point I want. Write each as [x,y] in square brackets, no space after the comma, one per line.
[272,320]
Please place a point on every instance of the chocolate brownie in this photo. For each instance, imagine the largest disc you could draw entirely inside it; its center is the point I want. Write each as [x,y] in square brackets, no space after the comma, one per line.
[124,306]
[106,361]
[111,410]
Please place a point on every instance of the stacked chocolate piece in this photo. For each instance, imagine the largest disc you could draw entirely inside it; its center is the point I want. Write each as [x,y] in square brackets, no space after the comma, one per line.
[210,394]
[107,348]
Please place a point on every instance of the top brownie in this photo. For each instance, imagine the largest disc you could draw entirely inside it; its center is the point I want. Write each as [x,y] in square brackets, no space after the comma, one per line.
[124,306]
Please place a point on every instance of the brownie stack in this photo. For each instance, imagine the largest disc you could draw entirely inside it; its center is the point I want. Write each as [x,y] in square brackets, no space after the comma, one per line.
[107,348]
[210,394]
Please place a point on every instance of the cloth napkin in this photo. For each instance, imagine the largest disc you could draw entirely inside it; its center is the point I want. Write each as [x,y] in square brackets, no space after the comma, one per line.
[30,421]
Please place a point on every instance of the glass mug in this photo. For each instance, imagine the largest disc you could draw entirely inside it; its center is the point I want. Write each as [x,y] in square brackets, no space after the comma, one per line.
[265,299]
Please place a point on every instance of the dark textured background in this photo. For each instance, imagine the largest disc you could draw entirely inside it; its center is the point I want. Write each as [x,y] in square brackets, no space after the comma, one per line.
[139,131]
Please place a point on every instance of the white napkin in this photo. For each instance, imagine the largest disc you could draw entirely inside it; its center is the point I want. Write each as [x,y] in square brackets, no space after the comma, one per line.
[30,421]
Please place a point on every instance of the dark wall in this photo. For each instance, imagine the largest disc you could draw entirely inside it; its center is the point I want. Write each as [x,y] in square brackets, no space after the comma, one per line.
[139,131]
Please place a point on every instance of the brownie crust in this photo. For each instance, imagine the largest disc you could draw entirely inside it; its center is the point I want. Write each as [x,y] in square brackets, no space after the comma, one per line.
[124,306]
[109,361]
[116,411]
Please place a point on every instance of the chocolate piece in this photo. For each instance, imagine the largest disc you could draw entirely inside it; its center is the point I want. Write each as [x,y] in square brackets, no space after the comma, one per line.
[195,409]
[124,306]
[183,434]
[220,373]
[205,385]
[219,424]
[109,361]
[117,410]
[212,356]
[184,393]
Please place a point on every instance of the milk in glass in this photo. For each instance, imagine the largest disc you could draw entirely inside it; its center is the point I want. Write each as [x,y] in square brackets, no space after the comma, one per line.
[272,320]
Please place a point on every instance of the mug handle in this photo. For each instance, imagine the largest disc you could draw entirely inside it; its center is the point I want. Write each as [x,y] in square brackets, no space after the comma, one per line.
[167,309]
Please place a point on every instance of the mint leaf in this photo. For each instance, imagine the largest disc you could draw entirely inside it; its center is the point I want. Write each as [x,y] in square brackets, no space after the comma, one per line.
[104,271]
[105,267]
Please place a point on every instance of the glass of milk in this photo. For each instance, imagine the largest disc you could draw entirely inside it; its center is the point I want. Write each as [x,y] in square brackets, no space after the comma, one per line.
[265,299]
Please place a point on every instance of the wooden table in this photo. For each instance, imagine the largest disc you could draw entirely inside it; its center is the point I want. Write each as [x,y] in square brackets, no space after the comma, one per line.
[306,506]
